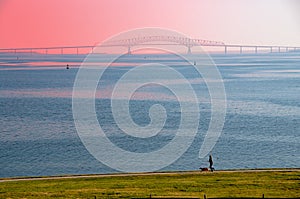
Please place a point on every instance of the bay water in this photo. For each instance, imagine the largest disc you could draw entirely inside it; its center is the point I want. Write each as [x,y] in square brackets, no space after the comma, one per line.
[38,135]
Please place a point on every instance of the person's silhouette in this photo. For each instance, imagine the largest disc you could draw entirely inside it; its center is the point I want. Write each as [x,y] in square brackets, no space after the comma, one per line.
[210,160]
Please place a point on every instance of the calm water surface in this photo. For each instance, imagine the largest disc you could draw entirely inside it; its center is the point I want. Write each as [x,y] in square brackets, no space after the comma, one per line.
[38,135]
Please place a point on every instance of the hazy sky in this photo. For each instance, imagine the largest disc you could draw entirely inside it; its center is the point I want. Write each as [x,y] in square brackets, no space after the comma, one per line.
[41,23]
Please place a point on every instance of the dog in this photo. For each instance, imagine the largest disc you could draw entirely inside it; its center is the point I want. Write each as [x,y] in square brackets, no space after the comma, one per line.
[203,169]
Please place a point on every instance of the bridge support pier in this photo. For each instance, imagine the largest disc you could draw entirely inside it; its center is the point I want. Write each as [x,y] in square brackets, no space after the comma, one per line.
[256,49]
[279,49]
[241,49]
[225,50]
[129,50]
[271,49]
[189,50]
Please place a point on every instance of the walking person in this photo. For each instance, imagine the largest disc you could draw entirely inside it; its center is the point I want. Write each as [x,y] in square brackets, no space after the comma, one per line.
[210,160]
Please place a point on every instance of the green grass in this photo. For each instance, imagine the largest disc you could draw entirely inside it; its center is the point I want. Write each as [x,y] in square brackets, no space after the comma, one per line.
[216,184]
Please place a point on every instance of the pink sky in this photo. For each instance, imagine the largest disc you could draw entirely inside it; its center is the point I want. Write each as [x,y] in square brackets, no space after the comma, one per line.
[41,23]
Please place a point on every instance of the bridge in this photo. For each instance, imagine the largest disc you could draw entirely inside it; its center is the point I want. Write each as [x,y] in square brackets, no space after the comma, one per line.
[169,40]
[159,41]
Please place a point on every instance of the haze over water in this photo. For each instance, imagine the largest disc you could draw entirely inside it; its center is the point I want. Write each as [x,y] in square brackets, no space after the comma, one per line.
[38,135]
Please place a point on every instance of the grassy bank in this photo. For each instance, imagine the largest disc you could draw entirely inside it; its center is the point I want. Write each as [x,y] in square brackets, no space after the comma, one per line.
[217,184]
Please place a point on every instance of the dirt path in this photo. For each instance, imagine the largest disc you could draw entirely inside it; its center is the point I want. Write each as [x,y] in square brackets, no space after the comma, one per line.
[139,174]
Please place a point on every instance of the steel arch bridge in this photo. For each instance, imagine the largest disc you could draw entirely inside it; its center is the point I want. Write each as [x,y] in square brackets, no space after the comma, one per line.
[172,40]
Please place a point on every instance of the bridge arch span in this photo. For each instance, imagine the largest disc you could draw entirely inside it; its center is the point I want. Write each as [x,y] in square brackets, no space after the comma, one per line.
[184,41]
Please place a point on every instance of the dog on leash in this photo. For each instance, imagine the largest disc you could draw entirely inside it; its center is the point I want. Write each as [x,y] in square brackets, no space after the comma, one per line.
[203,169]
[207,169]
